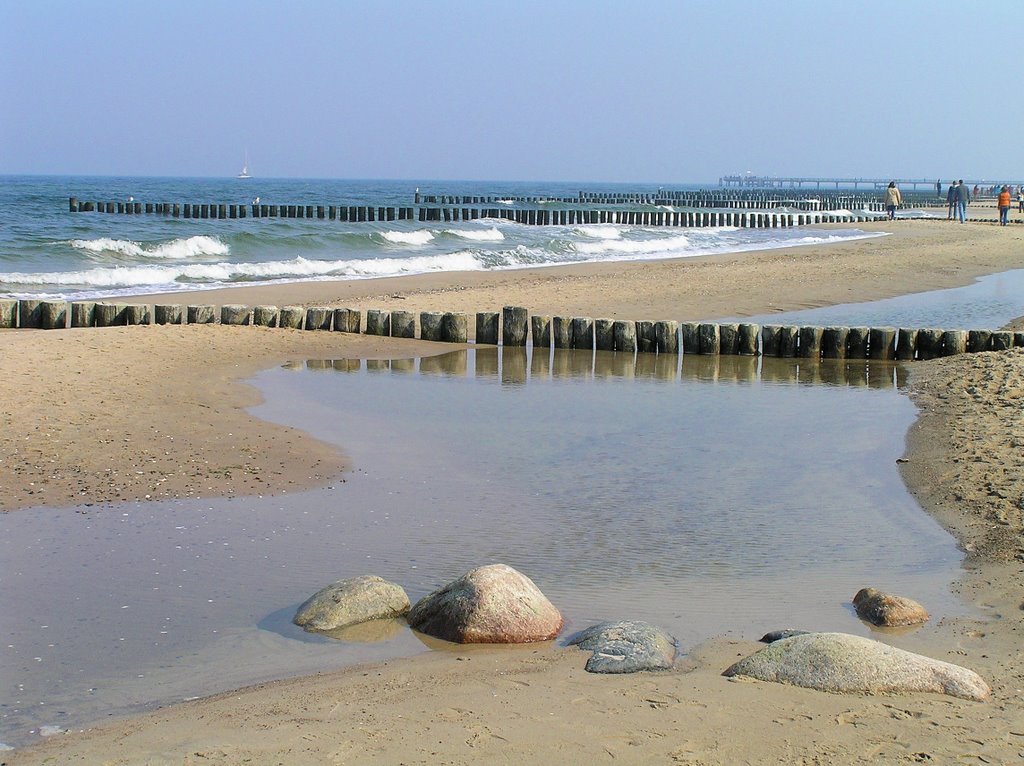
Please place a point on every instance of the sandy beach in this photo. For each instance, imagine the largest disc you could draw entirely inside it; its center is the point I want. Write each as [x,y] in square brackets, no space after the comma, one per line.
[132,413]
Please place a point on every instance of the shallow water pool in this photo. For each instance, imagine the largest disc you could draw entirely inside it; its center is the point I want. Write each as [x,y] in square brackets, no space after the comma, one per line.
[708,495]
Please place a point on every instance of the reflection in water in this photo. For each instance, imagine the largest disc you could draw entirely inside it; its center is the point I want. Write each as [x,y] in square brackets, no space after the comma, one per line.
[518,365]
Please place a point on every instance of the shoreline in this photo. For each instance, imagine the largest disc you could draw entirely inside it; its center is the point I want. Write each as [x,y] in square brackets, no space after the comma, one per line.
[477,704]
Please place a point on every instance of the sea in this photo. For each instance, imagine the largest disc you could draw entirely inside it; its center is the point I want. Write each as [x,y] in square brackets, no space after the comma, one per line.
[48,252]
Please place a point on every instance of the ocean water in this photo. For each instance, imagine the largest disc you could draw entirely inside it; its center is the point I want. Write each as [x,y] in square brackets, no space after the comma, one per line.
[48,252]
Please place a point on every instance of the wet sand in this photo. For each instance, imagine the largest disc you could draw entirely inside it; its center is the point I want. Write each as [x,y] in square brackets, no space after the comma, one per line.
[536,704]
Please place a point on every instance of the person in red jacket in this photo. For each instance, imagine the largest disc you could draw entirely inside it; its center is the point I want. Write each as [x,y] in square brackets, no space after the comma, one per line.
[1004,206]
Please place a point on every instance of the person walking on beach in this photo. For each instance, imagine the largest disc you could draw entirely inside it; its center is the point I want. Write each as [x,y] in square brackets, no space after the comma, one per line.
[893,199]
[963,197]
[950,200]
[1004,205]
[1020,199]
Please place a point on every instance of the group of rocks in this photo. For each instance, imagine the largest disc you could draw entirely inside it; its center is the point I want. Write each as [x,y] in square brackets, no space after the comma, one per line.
[499,605]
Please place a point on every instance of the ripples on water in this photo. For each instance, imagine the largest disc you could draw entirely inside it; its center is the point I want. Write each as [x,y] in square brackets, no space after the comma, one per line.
[724,495]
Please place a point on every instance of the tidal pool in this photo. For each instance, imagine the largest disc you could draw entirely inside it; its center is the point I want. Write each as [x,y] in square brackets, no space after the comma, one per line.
[707,495]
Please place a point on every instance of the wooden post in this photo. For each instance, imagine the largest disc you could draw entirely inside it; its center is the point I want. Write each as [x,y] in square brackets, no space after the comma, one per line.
[810,343]
[646,341]
[952,342]
[930,343]
[583,333]
[136,314]
[487,328]
[540,328]
[710,339]
[8,313]
[1018,339]
[770,340]
[319,318]
[690,337]
[882,343]
[666,333]
[604,334]
[728,338]
[561,332]
[403,324]
[833,342]
[200,314]
[109,315]
[454,327]
[291,317]
[624,334]
[265,316]
[83,314]
[234,314]
[1001,341]
[168,314]
[788,338]
[53,315]
[378,322]
[430,325]
[514,326]
[346,320]
[906,344]
[857,343]
[747,341]
[978,340]
[30,313]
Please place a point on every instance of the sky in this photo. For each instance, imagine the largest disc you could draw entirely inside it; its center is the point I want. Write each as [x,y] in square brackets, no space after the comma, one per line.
[543,90]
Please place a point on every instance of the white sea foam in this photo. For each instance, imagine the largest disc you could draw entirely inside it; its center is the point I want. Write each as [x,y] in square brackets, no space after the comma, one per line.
[176,249]
[298,268]
[634,247]
[420,237]
[599,232]
[478,235]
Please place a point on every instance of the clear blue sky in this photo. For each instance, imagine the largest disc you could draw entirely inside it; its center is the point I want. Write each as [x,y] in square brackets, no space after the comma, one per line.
[595,90]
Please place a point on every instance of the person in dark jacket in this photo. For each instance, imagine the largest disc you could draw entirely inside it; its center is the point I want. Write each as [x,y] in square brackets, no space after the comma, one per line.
[963,197]
[950,201]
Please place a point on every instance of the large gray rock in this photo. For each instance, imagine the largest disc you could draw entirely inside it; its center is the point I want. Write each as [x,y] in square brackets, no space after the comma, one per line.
[493,604]
[888,610]
[838,662]
[627,646]
[352,601]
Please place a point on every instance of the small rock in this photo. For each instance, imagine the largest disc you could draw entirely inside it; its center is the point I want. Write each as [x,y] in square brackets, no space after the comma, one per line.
[352,601]
[628,646]
[838,662]
[493,604]
[887,610]
[778,635]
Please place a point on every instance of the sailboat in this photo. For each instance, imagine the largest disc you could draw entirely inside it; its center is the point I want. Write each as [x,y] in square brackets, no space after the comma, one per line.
[245,167]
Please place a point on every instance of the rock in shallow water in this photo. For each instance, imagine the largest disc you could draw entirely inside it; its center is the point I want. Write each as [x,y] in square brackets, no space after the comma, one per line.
[350,602]
[838,662]
[888,610]
[493,604]
[627,646]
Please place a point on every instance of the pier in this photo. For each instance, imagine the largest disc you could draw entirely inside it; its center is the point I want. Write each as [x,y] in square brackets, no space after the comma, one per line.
[797,182]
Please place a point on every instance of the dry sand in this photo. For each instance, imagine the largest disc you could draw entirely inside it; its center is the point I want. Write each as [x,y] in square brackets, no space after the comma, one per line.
[131,412]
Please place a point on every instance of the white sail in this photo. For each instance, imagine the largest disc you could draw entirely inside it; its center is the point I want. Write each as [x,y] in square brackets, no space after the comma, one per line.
[245,167]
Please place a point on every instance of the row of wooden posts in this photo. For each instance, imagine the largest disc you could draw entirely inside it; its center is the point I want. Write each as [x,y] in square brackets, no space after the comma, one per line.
[531,216]
[514,326]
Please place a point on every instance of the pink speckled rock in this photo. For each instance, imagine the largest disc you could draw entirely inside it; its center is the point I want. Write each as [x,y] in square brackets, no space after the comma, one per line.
[492,604]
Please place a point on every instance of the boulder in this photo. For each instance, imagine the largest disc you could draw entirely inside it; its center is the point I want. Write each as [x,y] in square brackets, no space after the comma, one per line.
[887,610]
[838,662]
[352,601]
[492,604]
[628,646]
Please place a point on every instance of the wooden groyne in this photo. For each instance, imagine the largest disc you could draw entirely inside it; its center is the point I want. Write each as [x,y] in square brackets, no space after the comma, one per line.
[515,327]
[743,218]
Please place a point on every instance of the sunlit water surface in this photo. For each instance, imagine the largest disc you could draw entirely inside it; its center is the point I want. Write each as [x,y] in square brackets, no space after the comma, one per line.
[715,495]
